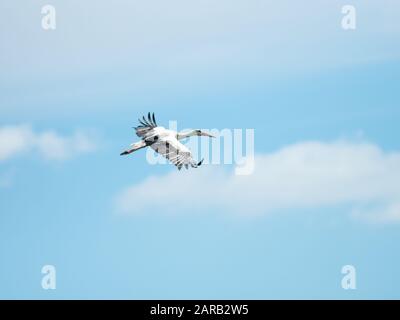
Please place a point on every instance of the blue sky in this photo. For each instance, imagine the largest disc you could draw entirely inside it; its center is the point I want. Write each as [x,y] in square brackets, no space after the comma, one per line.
[324,106]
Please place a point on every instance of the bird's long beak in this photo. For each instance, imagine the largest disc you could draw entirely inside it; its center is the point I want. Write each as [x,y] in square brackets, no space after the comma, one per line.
[207,135]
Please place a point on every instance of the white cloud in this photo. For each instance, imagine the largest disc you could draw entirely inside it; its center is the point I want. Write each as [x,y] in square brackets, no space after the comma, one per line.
[13,140]
[389,213]
[303,175]
[21,139]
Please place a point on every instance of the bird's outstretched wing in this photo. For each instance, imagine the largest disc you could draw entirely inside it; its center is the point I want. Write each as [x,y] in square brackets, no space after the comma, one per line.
[175,152]
[146,125]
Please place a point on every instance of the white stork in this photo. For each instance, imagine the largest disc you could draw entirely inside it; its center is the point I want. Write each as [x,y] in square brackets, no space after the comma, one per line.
[165,142]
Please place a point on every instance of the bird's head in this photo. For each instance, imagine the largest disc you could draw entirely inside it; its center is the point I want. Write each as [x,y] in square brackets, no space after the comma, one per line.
[204,134]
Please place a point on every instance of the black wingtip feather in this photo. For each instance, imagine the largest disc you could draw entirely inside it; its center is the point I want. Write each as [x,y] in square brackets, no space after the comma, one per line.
[149,122]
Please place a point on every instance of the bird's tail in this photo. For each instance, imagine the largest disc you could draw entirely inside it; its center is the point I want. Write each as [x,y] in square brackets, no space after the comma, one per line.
[135,146]
[195,165]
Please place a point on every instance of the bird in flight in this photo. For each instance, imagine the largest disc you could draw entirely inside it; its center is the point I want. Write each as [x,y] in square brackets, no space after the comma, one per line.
[165,142]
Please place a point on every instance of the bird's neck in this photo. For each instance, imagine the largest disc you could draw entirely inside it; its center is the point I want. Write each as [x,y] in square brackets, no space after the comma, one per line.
[187,134]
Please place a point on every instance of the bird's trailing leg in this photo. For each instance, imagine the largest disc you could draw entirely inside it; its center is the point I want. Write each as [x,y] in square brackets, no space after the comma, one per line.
[135,146]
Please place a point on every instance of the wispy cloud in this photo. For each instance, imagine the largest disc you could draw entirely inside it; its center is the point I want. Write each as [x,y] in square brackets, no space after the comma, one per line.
[22,139]
[175,45]
[304,175]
